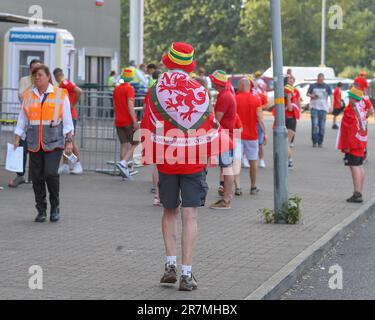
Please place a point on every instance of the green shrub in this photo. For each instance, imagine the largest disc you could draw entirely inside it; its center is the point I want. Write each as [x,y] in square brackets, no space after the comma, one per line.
[291,214]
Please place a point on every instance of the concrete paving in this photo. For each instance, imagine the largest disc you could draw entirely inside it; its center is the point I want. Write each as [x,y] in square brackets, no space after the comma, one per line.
[108,244]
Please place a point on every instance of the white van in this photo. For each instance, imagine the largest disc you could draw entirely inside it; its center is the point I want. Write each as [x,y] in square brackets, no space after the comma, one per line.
[302,73]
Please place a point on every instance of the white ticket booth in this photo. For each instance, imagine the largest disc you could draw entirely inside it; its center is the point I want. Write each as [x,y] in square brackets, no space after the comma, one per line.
[55,47]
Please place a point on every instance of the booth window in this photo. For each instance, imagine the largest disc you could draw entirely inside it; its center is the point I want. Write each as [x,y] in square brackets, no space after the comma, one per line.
[26,56]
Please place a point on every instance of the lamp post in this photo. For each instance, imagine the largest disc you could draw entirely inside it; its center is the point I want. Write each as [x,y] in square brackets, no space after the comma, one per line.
[280,135]
[324,23]
[136,31]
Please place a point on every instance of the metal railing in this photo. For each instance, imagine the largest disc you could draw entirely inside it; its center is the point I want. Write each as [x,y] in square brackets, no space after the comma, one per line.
[96,134]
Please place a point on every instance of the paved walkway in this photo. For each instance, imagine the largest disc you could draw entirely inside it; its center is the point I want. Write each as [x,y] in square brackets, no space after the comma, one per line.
[109,244]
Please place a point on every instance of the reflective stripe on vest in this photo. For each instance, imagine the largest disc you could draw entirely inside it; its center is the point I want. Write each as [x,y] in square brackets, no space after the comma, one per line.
[45,128]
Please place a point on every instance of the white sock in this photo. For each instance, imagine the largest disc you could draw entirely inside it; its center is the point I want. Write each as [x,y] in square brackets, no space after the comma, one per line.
[186,270]
[171,260]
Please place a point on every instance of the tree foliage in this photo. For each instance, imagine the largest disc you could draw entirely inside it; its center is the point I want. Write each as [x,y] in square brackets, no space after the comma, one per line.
[235,35]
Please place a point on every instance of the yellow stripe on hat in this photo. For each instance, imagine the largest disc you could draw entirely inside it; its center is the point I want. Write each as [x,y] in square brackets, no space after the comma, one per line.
[221,76]
[180,61]
[182,54]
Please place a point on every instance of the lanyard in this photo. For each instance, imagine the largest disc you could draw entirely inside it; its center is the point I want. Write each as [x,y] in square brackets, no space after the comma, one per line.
[44,98]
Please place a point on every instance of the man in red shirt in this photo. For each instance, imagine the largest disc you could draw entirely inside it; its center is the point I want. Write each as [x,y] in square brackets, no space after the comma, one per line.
[178,117]
[74,93]
[249,109]
[361,82]
[126,121]
[338,107]
[225,114]
[353,140]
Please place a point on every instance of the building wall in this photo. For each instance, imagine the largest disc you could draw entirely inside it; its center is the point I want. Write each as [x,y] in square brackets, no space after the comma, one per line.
[97,29]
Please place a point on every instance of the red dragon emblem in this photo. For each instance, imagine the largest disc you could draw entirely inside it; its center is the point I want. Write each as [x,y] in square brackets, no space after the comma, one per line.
[184,99]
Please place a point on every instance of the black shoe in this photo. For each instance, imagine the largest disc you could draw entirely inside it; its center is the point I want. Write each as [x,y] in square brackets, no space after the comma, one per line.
[320,145]
[41,217]
[315,145]
[55,215]
[335,127]
[355,198]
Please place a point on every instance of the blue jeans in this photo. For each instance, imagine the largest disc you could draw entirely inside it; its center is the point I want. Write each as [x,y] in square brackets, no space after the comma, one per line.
[318,125]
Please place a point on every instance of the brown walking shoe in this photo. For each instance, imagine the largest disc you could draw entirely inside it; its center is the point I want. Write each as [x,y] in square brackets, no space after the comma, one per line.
[220,205]
[188,283]
[16,182]
[170,274]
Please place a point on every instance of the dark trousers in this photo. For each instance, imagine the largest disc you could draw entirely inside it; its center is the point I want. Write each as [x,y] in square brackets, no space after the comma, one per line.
[23,144]
[44,171]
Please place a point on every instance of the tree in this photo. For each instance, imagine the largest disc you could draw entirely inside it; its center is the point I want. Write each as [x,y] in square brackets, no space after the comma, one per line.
[206,24]
[125,9]
[235,35]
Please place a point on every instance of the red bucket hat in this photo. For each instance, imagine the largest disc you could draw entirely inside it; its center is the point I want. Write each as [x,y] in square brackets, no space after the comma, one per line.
[180,56]
[219,77]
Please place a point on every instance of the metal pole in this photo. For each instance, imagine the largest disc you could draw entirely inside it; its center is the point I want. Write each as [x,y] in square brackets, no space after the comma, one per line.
[136,31]
[280,135]
[324,21]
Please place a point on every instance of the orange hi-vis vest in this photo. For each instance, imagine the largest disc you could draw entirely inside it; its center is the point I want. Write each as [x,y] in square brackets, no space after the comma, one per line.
[45,128]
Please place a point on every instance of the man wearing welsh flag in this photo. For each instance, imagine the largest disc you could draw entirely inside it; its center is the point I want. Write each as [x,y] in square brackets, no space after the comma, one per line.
[180,134]
[352,140]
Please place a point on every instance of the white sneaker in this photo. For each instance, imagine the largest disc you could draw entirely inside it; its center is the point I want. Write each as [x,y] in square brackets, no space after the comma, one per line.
[77,168]
[64,169]
[123,167]
[262,164]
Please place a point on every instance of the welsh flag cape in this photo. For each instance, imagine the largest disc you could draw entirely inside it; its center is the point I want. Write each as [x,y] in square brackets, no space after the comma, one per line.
[353,129]
[178,126]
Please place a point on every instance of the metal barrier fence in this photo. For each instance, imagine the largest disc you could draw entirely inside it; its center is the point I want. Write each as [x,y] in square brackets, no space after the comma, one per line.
[96,134]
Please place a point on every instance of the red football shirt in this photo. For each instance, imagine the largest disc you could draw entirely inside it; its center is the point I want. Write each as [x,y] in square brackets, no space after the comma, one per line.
[247,109]
[121,95]
[226,104]
[362,83]
[289,90]
[337,98]
[70,86]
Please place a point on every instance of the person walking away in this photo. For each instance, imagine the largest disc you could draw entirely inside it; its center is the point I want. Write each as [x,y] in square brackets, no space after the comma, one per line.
[292,115]
[262,137]
[237,157]
[111,81]
[362,83]
[249,109]
[47,122]
[352,141]
[296,100]
[202,75]
[126,121]
[74,93]
[182,175]
[338,105]
[24,84]
[260,83]
[225,114]
[319,93]
[151,68]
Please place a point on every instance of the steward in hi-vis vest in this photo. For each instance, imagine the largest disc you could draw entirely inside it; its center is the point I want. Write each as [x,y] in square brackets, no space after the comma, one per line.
[46,122]
[45,128]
